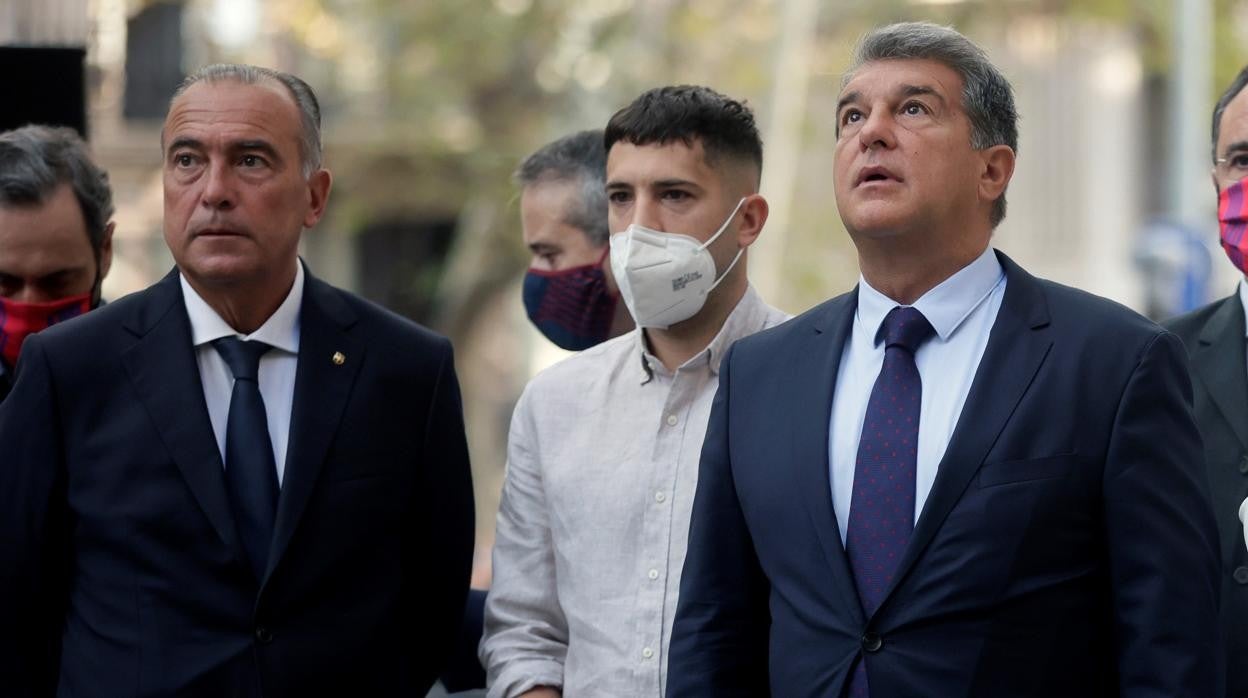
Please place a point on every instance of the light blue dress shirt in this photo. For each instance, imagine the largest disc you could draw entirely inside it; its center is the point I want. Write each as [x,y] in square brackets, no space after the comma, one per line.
[962,310]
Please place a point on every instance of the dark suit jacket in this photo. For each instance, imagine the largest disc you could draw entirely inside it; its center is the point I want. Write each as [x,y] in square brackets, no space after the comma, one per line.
[1214,336]
[1066,548]
[119,558]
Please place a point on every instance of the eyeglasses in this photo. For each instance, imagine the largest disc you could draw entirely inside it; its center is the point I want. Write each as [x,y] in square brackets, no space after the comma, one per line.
[1232,166]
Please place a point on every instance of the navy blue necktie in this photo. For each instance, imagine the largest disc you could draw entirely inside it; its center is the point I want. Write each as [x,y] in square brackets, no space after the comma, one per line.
[250,471]
[881,511]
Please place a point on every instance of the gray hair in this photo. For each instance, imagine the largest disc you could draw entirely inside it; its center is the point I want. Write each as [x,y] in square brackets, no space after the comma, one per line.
[580,158]
[300,91]
[35,160]
[986,95]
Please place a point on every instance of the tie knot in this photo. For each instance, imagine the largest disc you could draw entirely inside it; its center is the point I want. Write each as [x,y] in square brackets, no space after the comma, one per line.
[242,357]
[905,327]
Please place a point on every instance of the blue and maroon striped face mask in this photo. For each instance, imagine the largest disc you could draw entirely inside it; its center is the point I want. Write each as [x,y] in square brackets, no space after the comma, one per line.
[572,307]
[1233,221]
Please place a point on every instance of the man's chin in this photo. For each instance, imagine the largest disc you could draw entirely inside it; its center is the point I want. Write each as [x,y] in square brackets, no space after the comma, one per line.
[878,227]
[221,271]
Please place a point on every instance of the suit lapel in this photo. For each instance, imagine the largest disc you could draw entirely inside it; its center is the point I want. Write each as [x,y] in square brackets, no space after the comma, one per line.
[162,367]
[322,385]
[1017,346]
[819,357]
[1219,354]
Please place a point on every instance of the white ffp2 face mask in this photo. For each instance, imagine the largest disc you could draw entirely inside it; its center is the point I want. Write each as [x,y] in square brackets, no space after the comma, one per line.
[664,277]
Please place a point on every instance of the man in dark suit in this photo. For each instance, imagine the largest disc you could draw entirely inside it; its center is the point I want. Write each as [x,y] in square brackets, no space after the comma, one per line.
[958,479]
[240,481]
[1214,336]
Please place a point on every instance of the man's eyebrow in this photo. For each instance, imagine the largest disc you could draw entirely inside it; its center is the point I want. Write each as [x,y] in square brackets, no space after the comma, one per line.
[256,145]
[916,90]
[1235,147]
[616,184]
[184,142]
[674,182]
[851,97]
[905,91]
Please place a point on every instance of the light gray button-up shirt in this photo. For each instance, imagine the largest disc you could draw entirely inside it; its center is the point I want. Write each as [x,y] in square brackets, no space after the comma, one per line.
[602,462]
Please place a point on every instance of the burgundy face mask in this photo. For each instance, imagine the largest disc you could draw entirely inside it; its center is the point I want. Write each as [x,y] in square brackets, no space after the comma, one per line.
[572,307]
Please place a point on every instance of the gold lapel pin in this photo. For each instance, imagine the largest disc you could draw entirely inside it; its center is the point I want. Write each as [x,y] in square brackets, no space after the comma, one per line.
[338,358]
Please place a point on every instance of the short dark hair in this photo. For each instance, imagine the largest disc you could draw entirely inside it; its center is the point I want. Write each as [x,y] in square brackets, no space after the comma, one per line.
[689,113]
[986,95]
[35,160]
[579,158]
[1237,86]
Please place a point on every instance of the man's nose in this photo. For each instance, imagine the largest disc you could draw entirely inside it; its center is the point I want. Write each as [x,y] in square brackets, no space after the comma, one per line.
[218,190]
[646,213]
[877,131]
[30,293]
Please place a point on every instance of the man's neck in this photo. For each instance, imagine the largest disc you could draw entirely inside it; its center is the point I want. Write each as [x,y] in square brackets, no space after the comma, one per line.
[684,340]
[904,272]
[245,307]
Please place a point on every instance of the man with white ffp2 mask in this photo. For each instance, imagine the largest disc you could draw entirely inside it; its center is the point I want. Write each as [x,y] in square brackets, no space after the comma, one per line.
[665,277]
[603,450]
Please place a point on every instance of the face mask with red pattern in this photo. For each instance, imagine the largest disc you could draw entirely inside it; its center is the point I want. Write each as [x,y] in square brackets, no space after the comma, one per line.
[20,320]
[1233,222]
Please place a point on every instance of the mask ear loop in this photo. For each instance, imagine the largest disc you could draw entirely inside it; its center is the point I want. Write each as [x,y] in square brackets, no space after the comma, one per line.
[724,227]
[714,237]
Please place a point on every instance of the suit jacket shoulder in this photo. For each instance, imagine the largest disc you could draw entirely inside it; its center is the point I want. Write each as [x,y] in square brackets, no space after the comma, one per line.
[824,317]
[1190,326]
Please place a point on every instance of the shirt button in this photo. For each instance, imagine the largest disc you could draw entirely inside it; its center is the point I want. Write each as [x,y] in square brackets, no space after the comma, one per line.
[872,642]
[660,497]
[264,635]
[647,653]
[1243,465]
[653,574]
[1241,575]
[671,420]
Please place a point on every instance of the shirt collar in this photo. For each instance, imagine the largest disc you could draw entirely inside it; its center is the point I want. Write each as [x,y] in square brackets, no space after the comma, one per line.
[280,331]
[946,306]
[1243,300]
[748,317]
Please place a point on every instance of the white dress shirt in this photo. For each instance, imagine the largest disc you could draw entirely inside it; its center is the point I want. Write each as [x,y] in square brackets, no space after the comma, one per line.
[602,462]
[1243,517]
[277,367]
[962,310]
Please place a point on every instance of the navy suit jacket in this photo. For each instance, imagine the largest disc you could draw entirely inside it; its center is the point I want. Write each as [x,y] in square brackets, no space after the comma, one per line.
[121,571]
[1214,336]
[1066,548]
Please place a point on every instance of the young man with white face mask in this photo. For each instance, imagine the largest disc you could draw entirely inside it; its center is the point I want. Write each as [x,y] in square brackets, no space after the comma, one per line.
[603,451]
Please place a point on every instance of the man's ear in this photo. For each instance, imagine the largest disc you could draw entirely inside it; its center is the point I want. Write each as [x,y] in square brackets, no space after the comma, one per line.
[319,185]
[106,250]
[1213,177]
[996,173]
[753,217]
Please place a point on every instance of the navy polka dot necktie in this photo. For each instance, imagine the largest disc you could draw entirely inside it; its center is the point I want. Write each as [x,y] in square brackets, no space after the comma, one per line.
[881,511]
[250,470]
